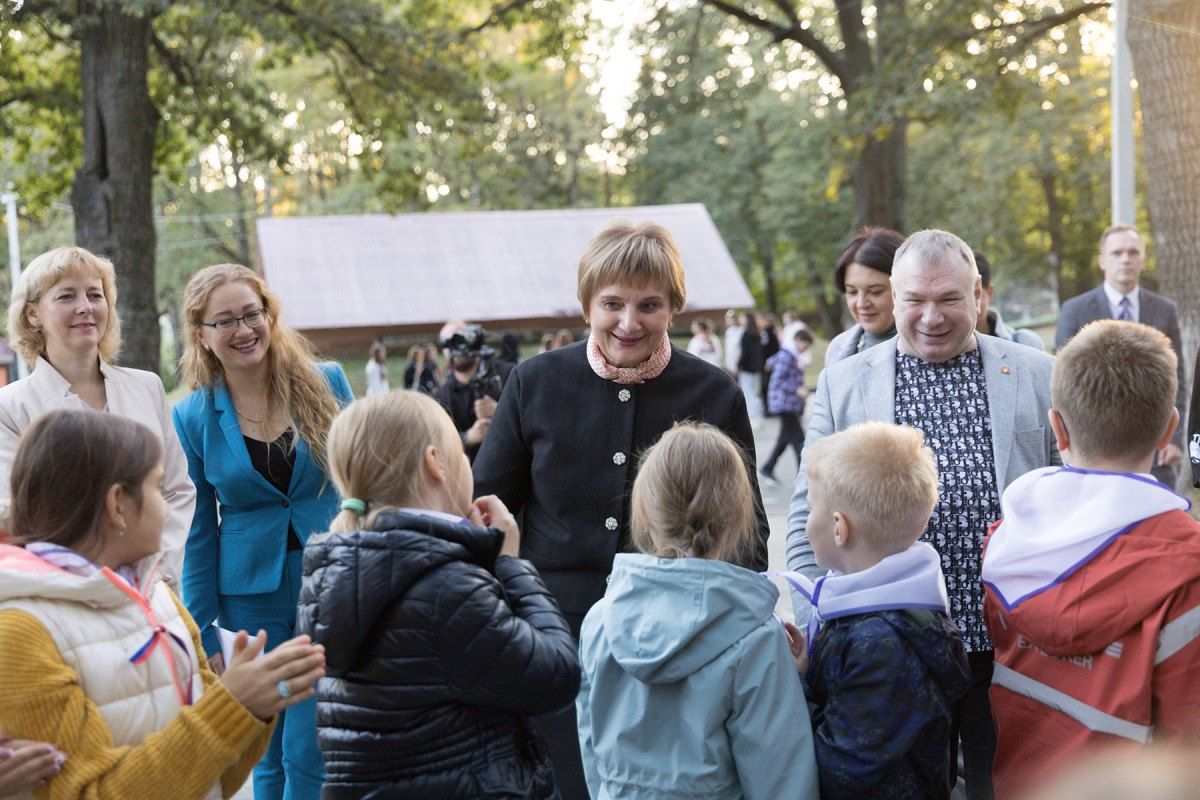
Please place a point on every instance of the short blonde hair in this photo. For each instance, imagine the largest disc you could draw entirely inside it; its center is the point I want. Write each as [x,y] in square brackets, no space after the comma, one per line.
[882,476]
[376,450]
[632,255]
[42,273]
[1114,384]
[692,496]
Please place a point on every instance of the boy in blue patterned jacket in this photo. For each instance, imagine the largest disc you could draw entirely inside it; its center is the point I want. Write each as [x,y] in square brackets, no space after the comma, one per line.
[884,665]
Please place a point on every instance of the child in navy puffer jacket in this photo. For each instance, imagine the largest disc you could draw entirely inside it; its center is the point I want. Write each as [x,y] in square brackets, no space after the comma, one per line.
[440,641]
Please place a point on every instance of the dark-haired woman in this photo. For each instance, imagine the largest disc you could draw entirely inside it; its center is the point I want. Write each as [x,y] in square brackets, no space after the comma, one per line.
[864,276]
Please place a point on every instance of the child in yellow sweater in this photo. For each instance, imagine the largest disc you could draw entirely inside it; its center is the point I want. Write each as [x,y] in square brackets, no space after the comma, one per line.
[97,657]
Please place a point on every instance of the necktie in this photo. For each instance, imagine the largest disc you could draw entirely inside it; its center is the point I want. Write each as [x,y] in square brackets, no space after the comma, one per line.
[1125,314]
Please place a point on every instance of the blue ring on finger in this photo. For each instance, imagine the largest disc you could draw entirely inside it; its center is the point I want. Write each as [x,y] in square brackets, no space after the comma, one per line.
[283,690]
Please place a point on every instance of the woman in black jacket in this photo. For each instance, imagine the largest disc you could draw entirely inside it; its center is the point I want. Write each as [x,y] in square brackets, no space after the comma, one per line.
[440,642]
[563,446]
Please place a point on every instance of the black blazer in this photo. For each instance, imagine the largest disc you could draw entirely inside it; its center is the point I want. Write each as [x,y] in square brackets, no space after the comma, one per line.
[562,453]
[1155,310]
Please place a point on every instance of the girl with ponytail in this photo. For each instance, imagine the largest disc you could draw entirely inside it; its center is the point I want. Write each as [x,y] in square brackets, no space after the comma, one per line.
[689,685]
[441,641]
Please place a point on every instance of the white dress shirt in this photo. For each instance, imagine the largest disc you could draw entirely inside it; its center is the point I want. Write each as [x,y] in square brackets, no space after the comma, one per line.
[1114,302]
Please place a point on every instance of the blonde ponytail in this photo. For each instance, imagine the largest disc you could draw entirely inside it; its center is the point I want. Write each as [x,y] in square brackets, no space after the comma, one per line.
[376,449]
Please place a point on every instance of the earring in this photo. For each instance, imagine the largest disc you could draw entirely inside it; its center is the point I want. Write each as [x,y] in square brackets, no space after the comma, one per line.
[121,532]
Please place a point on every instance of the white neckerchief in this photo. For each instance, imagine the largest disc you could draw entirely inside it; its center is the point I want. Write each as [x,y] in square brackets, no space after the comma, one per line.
[1056,519]
[911,579]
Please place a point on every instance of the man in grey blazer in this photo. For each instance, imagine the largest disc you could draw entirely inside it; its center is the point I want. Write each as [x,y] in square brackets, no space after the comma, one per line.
[1122,259]
[982,403]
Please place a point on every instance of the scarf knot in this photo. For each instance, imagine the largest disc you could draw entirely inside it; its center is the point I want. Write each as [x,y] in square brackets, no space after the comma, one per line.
[649,369]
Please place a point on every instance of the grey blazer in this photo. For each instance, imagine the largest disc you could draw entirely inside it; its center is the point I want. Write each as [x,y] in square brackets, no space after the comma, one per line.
[862,388]
[1155,310]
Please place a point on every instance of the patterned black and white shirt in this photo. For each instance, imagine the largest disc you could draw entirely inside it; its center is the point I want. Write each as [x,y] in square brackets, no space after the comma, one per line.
[948,403]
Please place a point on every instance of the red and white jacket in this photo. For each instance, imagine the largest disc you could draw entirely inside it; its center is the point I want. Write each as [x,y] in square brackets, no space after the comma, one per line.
[1093,604]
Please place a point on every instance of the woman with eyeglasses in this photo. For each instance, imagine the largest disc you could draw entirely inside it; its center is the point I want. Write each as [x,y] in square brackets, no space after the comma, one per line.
[254,433]
[63,321]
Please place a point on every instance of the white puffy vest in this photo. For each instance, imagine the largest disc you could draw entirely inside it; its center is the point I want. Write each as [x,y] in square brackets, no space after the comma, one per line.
[96,636]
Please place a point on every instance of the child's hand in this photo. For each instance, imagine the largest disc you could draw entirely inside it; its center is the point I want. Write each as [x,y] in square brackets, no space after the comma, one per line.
[492,512]
[278,680]
[798,644]
[25,765]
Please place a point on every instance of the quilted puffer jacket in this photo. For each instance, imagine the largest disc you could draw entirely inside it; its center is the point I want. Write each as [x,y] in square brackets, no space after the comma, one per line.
[437,652]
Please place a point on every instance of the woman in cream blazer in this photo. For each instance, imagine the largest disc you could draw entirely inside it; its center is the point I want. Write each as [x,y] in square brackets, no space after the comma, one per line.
[63,320]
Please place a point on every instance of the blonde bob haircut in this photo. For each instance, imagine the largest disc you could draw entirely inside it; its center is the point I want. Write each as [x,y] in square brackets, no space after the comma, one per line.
[293,380]
[692,496]
[881,476]
[377,449]
[632,255]
[1114,385]
[42,273]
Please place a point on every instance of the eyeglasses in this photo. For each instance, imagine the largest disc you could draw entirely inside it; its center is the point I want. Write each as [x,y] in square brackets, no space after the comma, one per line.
[253,319]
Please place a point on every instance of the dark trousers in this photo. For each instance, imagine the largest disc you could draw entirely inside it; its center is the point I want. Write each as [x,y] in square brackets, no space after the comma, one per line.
[791,432]
[976,730]
[561,734]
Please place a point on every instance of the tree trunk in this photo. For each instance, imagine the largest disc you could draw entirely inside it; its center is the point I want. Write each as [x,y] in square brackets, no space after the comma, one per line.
[768,268]
[112,193]
[1054,227]
[1163,37]
[880,180]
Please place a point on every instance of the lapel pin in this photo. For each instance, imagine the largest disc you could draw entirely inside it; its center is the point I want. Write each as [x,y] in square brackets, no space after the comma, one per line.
[1006,370]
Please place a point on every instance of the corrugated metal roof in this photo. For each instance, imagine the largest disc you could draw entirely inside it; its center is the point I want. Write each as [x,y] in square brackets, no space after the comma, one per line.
[403,270]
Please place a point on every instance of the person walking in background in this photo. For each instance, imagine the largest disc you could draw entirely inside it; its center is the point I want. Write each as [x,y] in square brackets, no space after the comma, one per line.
[421,371]
[787,336]
[562,338]
[97,654]
[770,346]
[254,433]
[863,276]
[981,403]
[1093,573]
[441,641]
[1122,259]
[709,704]
[63,321]
[750,366]
[377,374]
[562,448]
[785,398]
[733,342]
[704,344]
[990,321]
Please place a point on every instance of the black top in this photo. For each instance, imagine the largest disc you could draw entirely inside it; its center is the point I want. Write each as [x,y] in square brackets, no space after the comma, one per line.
[459,398]
[275,462]
[428,382]
[562,453]
[439,650]
[751,359]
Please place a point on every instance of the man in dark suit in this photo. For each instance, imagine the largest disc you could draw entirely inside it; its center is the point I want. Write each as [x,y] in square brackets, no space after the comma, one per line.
[1122,259]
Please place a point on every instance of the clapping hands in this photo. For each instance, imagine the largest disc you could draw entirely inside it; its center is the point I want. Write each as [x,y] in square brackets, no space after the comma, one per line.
[278,680]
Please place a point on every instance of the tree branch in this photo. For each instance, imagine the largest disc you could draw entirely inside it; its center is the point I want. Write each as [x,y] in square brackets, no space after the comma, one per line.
[498,13]
[1036,27]
[796,33]
[183,72]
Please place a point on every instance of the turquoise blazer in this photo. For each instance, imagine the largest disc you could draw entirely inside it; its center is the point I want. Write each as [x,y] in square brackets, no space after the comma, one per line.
[238,539]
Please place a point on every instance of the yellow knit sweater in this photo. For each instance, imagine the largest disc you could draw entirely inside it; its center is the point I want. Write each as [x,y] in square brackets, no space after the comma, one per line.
[41,699]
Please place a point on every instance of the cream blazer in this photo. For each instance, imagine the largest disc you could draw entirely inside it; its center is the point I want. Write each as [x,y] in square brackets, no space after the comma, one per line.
[132,393]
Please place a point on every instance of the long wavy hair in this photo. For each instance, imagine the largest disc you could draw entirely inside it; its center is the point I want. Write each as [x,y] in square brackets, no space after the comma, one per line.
[293,381]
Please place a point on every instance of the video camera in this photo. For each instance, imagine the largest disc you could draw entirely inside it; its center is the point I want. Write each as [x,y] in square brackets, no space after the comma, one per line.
[470,341]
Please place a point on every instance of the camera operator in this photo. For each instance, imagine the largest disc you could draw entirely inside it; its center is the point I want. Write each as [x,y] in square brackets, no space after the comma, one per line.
[473,384]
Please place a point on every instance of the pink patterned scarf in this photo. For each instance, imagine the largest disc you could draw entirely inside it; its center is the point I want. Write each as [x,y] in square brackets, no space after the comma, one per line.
[649,369]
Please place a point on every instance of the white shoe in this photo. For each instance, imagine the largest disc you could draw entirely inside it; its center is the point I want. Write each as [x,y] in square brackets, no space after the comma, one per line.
[768,479]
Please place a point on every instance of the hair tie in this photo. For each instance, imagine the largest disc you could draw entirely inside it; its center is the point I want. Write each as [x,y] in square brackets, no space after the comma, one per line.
[355,505]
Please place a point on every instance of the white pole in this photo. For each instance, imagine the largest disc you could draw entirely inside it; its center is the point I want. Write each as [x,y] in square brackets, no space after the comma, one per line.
[1122,118]
[14,254]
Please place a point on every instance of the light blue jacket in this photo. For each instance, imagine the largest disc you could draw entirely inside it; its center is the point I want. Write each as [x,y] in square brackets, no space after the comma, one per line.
[238,540]
[689,689]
